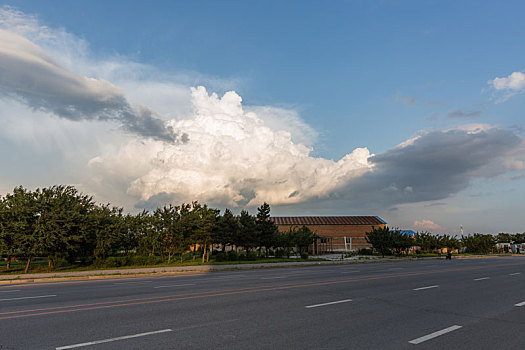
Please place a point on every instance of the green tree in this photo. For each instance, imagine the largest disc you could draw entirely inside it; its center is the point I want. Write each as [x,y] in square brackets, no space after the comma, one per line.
[302,238]
[227,229]
[247,234]
[266,229]
[479,243]
[401,242]
[381,240]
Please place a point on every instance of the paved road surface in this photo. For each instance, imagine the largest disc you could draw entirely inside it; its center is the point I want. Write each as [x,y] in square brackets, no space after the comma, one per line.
[437,304]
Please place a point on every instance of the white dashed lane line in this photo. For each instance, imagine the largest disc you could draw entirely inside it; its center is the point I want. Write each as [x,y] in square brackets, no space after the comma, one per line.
[176,285]
[434,335]
[428,287]
[330,303]
[520,304]
[112,339]
[34,297]
[131,283]
[514,274]
[482,278]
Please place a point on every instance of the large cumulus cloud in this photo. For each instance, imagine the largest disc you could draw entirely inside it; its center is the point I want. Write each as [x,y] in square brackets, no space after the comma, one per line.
[231,157]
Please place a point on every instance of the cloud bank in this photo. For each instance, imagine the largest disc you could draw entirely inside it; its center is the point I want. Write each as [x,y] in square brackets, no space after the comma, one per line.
[227,154]
[31,76]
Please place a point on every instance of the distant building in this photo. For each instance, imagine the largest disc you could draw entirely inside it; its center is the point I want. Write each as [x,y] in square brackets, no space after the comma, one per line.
[518,248]
[337,233]
[407,232]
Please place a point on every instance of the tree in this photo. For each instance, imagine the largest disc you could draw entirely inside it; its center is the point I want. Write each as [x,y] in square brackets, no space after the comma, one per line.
[302,238]
[227,229]
[427,241]
[247,234]
[266,229]
[479,243]
[19,214]
[401,242]
[381,240]
[63,221]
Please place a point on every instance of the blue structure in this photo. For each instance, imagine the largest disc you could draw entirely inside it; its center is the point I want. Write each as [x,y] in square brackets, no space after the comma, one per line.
[409,233]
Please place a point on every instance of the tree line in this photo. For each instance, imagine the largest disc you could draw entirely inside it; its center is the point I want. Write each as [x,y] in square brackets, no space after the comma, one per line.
[387,241]
[62,224]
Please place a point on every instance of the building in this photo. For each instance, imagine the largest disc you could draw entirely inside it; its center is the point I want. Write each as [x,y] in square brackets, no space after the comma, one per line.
[409,233]
[336,233]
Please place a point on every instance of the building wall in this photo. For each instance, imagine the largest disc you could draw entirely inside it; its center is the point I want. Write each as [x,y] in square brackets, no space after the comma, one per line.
[337,234]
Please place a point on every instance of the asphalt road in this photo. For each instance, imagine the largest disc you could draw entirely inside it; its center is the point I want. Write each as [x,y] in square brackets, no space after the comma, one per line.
[433,304]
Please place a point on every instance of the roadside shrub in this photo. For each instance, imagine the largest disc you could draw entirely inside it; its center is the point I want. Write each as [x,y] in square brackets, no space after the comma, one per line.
[138,260]
[271,252]
[304,255]
[251,256]
[242,256]
[418,251]
[366,251]
[221,256]
[125,261]
[61,263]
[112,262]
[153,260]
[279,253]
[233,255]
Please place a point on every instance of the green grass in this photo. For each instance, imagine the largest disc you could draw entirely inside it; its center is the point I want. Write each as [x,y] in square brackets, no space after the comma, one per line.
[41,265]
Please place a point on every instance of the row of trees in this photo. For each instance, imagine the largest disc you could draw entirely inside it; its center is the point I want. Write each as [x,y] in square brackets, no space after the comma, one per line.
[387,241]
[61,223]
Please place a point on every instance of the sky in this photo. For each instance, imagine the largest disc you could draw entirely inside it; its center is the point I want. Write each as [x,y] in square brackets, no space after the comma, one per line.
[409,110]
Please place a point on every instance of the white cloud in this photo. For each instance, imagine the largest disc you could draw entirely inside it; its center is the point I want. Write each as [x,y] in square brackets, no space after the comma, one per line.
[232,157]
[427,225]
[515,81]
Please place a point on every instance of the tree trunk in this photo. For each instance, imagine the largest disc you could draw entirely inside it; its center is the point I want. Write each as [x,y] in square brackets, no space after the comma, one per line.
[181,257]
[194,250]
[50,264]
[8,265]
[208,256]
[169,257]
[203,252]
[27,265]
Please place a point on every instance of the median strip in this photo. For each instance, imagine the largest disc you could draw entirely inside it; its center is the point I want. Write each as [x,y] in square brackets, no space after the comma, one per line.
[330,303]
[421,288]
[112,339]
[434,335]
[35,297]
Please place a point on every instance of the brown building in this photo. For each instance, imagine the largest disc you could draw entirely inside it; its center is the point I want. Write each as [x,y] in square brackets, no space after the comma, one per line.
[337,233]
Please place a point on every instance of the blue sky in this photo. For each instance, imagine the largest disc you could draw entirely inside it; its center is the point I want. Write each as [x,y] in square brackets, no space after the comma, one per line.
[351,74]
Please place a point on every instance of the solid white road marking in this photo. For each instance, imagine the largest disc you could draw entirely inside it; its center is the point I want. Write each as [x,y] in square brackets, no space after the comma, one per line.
[176,285]
[515,273]
[271,278]
[112,339]
[330,303]
[9,291]
[421,288]
[481,279]
[434,335]
[520,304]
[35,297]
[350,271]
